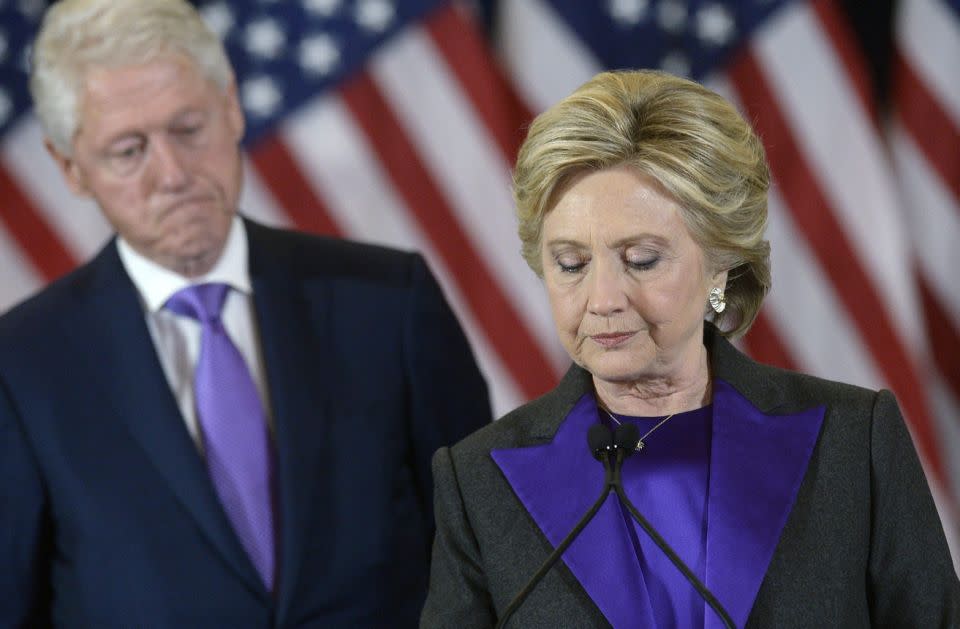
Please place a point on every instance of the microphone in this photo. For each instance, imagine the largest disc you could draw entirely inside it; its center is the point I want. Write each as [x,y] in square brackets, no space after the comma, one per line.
[601,443]
[624,440]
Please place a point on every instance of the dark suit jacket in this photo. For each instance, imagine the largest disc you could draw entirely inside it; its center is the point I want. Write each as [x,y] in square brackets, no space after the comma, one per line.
[107,515]
[859,542]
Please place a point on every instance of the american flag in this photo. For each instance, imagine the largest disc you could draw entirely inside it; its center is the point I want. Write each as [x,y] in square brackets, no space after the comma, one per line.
[397,122]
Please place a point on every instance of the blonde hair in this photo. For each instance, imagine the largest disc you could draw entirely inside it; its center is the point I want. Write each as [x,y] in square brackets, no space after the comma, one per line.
[690,140]
[77,35]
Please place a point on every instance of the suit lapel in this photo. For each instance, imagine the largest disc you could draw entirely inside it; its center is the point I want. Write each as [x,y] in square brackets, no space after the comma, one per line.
[557,482]
[759,456]
[292,318]
[137,393]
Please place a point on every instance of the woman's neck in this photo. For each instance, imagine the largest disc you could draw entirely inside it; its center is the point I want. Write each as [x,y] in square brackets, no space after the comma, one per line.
[683,389]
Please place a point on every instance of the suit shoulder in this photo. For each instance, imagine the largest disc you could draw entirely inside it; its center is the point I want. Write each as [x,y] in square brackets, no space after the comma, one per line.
[800,389]
[46,309]
[774,389]
[320,255]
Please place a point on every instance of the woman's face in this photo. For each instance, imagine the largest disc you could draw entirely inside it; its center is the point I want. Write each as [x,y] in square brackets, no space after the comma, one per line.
[628,285]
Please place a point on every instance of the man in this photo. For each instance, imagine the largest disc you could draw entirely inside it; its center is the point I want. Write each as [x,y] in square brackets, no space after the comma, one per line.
[212,423]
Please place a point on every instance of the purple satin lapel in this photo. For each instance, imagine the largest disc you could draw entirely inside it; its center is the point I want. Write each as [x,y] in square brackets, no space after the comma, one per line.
[557,483]
[757,463]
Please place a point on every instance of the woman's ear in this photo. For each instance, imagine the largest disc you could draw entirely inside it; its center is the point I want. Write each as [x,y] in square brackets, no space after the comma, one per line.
[719,280]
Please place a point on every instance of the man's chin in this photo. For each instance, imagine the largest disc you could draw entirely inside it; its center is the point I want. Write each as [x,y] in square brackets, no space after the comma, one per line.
[193,258]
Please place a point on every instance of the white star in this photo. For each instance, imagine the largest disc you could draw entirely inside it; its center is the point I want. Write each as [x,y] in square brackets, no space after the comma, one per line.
[264,38]
[319,54]
[672,15]
[676,63]
[375,15]
[6,107]
[325,8]
[628,12]
[219,18]
[260,96]
[715,25]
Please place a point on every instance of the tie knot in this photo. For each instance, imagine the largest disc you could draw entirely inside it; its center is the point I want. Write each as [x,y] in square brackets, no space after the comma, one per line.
[202,302]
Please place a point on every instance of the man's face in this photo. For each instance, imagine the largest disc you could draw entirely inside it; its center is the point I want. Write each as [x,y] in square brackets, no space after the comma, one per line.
[157,146]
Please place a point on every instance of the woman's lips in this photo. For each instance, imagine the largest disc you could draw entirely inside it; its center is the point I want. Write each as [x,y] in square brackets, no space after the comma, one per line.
[609,340]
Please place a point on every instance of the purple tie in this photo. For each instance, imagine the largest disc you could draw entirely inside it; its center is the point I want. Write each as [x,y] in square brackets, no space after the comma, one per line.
[234,427]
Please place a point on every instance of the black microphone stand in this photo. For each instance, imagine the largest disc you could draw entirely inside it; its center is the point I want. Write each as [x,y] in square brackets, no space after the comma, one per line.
[624,440]
[601,444]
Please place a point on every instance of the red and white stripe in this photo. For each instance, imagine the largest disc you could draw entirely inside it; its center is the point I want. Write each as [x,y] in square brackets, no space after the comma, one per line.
[415,152]
[925,140]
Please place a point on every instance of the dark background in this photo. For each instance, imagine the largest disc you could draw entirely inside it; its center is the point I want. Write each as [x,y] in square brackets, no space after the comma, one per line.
[872,20]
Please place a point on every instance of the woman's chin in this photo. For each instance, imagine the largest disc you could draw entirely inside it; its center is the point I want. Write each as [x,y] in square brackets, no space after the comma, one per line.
[615,371]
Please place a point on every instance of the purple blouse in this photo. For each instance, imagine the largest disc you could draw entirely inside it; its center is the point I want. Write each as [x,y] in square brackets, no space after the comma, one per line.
[667,482]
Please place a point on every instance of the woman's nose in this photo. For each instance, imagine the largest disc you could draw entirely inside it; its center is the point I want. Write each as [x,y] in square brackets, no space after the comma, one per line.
[606,290]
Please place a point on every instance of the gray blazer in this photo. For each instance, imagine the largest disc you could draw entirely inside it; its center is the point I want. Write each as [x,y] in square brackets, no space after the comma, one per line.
[861,546]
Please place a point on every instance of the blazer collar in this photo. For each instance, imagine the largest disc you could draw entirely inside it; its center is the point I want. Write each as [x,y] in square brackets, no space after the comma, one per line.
[758,460]
[750,379]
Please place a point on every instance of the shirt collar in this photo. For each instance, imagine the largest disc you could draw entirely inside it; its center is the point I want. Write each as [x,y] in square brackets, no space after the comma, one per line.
[156,284]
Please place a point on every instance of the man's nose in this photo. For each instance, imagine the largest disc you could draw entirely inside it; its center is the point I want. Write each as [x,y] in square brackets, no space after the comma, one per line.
[169,164]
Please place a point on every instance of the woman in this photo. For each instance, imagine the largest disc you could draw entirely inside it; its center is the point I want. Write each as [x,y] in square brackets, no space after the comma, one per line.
[798,502]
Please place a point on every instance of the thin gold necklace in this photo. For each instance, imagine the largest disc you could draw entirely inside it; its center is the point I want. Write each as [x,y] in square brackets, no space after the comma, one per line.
[640,442]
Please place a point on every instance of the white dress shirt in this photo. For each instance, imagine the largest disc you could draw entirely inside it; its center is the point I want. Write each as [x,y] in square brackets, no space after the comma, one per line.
[177,337]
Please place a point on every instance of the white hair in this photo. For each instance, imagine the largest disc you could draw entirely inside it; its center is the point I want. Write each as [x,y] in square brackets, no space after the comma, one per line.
[77,35]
